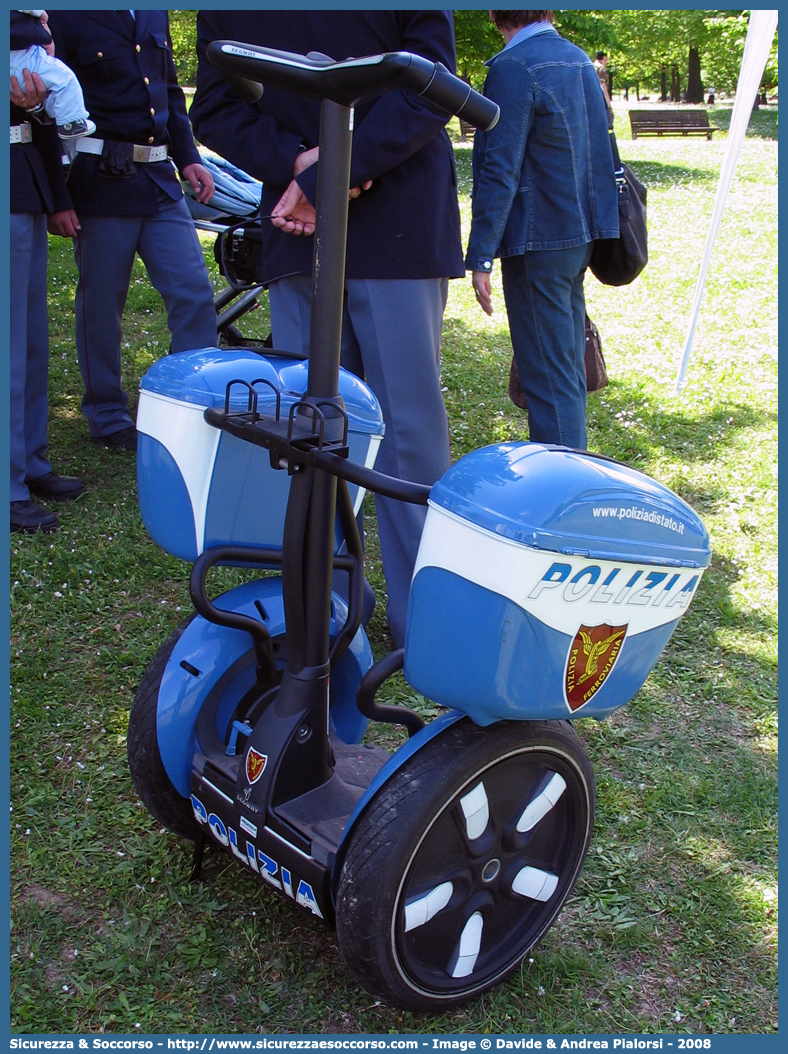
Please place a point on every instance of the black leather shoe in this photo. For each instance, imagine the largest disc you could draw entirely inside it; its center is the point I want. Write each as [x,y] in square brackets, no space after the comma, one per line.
[30,518]
[60,488]
[125,439]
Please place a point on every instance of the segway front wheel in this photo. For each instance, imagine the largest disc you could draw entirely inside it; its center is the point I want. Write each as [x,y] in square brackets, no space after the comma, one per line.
[463,860]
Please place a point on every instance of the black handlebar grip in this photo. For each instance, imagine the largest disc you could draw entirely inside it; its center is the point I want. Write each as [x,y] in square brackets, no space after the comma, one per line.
[454,95]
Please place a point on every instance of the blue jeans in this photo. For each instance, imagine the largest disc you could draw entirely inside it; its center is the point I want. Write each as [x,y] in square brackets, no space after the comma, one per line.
[546,309]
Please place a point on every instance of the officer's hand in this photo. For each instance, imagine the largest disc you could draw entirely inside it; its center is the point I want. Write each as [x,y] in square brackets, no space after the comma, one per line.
[310,157]
[33,92]
[356,191]
[65,224]
[201,181]
[294,213]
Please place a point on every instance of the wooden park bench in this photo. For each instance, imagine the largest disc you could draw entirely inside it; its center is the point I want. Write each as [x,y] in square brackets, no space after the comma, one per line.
[670,122]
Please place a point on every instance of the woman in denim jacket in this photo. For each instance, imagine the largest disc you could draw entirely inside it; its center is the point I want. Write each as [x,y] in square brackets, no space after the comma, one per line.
[543,190]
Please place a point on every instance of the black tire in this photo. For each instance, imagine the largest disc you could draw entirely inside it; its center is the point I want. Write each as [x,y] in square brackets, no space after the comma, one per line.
[440,894]
[148,773]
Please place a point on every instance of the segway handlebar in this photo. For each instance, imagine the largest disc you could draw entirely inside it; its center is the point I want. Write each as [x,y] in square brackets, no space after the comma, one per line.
[247,67]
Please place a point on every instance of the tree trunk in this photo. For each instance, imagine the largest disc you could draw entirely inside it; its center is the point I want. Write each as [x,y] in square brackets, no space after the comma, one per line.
[675,84]
[663,85]
[694,83]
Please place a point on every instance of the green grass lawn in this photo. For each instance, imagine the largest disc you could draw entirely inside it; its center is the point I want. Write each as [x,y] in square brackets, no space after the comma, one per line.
[673,925]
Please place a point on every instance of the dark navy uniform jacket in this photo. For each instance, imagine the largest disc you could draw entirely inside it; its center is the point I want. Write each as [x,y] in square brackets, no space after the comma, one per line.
[131,91]
[27,30]
[36,177]
[407,225]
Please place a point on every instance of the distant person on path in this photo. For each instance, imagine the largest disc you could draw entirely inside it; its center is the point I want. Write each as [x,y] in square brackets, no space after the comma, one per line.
[600,65]
[129,200]
[553,133]
[38,188]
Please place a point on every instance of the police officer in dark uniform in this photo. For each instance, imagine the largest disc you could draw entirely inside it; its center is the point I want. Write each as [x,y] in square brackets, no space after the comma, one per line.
[37,188]
[128,198]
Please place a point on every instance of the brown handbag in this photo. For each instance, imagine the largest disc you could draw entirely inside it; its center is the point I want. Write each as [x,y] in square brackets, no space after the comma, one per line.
[596,371]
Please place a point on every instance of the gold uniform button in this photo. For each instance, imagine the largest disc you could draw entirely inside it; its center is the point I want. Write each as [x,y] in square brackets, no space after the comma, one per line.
[99,54]
[146,80]
[137,48]
[152,112]
[150,140]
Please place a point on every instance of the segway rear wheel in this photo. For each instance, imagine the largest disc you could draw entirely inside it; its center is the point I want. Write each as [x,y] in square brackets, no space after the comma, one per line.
[148,773]
[463,860]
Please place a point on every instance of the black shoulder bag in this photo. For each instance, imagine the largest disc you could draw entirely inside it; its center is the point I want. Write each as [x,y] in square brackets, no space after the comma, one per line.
[618,261]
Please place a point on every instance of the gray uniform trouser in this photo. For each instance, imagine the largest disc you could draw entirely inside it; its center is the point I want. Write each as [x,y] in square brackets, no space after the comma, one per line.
[104,251]
[391,333]
[29,351]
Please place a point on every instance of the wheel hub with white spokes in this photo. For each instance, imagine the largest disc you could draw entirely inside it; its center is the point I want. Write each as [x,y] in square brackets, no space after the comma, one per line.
[463,859]
[489,873]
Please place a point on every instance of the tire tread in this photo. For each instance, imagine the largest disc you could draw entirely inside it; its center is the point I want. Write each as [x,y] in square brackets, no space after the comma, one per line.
[148,774]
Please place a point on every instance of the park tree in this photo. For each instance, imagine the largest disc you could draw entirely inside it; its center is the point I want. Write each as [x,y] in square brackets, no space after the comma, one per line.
[724,50]
[183,30]
[655,47]
[590,30]
[477,40]
[679,50]
[695,26]
[644,48]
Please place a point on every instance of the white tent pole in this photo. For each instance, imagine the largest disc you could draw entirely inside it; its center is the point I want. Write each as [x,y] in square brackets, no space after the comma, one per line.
[760,34]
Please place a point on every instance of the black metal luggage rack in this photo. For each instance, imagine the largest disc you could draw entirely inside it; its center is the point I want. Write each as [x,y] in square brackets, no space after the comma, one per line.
[294,444]
[287,440]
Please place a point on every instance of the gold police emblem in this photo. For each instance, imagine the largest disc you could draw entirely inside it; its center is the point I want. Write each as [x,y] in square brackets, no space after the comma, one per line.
[592,656]
[255,764]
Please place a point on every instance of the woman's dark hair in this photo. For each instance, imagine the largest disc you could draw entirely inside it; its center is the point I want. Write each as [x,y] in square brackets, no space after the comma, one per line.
[518,19]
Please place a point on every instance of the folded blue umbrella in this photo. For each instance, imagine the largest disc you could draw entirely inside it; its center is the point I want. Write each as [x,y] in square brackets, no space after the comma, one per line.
[236,193]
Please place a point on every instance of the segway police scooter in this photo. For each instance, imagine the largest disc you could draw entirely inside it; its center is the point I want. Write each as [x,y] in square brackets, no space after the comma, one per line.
[548,582]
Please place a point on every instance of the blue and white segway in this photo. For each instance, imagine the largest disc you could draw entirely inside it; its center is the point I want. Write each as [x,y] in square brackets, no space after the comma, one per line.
[547,584]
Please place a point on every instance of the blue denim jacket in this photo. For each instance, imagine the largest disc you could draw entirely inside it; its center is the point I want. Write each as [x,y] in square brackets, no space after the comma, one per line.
[543,177]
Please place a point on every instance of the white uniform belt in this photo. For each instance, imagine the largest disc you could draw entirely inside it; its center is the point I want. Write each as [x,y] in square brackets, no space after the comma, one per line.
[21,133]
[88,145]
